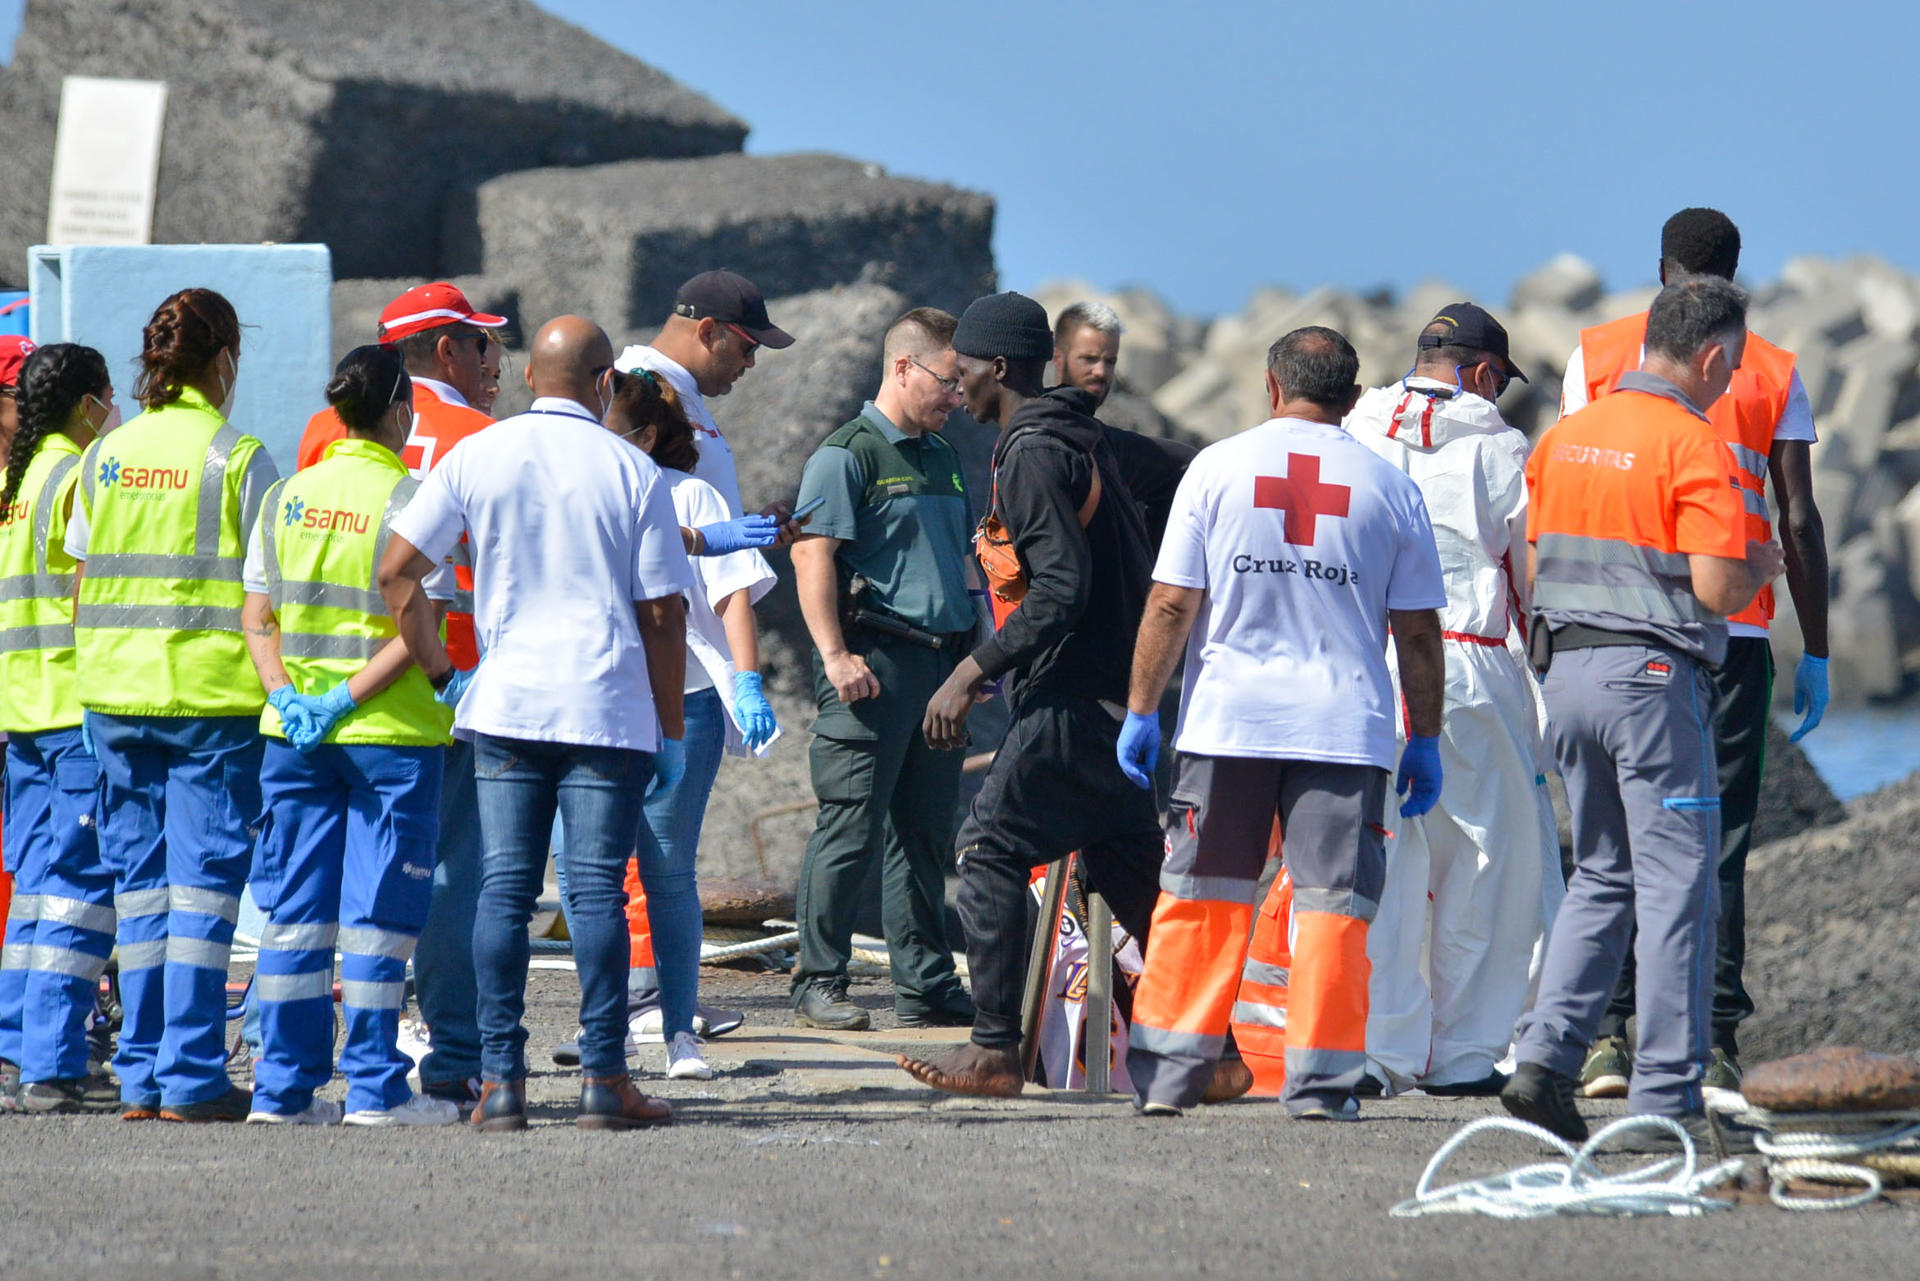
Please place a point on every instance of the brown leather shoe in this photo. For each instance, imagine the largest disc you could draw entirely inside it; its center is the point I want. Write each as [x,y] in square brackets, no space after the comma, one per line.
[615,1103]
[502,1107]
[1231,1079]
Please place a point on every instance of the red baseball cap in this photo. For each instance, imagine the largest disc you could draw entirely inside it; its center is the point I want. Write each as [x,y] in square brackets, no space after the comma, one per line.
[425,307]
[14,351]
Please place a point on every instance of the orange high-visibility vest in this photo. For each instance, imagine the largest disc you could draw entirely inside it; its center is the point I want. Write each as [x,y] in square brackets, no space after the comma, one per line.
[1746,417]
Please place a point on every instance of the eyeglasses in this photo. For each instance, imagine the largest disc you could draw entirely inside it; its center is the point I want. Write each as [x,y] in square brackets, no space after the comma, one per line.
[948,385]
[749,344]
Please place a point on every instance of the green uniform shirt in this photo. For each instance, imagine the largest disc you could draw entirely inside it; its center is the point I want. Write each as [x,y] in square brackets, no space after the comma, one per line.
[899,505]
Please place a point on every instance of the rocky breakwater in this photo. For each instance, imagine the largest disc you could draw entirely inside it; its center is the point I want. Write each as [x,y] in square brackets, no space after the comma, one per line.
[1854,325]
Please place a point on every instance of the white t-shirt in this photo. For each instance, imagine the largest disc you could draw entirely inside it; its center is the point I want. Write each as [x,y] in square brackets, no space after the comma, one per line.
[716,456]
[570,526]
[1303,539]
[709,656]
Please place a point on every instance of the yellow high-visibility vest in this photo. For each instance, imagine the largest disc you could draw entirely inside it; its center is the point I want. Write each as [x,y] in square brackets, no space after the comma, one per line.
[157,630]
[37,690]
[324,530]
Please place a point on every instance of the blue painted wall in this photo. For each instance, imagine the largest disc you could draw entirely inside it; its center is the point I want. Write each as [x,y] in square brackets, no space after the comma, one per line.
[103,296]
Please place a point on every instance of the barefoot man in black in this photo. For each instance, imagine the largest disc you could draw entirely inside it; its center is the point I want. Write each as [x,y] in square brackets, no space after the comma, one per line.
[1055,785]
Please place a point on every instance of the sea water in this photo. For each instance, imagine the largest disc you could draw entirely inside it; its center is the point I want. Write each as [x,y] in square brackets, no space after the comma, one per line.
[1857,749]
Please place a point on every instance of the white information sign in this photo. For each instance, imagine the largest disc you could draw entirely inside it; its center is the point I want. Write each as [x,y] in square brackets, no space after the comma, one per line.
[106,161]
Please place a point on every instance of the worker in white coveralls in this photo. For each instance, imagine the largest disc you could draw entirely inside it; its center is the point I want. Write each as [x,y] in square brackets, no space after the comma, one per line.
[1472,884]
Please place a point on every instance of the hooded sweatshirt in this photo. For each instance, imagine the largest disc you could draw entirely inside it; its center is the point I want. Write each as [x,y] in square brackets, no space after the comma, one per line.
[1086,587]
[1470,466]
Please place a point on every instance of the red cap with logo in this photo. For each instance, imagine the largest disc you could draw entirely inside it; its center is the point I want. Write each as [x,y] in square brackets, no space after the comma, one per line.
[425,307]
[14,351]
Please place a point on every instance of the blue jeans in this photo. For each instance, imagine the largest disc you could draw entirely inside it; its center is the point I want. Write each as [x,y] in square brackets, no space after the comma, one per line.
[60,927]
[179,809]
[346,856]
[597,792]
[673,816]
[443,977]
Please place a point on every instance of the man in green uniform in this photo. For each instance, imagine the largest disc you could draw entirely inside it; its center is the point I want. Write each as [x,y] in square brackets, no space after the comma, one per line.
[883,575]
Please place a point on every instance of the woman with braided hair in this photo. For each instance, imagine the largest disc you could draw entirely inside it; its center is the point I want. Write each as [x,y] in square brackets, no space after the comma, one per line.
[60,928]
[167,506]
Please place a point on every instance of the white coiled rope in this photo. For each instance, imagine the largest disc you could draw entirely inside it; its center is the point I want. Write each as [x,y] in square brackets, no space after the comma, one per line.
[1838,1148]
[1671,1185]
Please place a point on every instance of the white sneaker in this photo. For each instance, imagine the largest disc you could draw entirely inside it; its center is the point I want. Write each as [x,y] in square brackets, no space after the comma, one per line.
[318,1112]
[415,1041]
[648,1027]
[421,1109]
[684,1062]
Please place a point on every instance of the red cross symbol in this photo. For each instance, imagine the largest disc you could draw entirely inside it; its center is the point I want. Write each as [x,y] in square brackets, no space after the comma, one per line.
[1301,496]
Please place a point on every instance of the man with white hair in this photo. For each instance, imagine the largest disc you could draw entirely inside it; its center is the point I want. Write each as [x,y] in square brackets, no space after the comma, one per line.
[1086,354]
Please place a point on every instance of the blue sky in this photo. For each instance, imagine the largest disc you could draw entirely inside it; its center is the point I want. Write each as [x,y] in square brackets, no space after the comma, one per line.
[1207,148]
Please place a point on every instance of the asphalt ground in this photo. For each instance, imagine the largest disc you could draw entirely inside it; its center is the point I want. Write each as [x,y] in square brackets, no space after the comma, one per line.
[814,1157]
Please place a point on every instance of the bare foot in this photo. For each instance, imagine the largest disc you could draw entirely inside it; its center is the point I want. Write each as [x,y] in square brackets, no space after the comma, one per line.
[1231,1079]
[969,1069]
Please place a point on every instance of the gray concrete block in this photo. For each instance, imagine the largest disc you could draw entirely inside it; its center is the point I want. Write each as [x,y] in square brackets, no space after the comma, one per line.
[344,123]
[614,241]
[1567,281]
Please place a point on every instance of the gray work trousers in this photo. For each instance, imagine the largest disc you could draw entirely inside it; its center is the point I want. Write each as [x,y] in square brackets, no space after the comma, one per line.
[1633,731]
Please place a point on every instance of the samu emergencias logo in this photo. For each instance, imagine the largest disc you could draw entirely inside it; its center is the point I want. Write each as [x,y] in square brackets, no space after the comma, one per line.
[324,519]
[114,476]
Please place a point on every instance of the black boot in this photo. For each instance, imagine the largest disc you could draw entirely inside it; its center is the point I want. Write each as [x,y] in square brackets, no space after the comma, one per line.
[1545,1099]
[825,1005]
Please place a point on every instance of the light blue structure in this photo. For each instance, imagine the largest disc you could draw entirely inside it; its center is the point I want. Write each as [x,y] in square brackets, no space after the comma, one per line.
[103,296]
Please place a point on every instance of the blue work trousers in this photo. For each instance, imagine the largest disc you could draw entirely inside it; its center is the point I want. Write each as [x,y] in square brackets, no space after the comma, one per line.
[60,924]
[443,981]
[597,792]
[346,857]
[179,809]
[674,816]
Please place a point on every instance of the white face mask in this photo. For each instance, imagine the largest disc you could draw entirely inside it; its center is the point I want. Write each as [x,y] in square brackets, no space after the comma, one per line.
[229,381]
[112,419]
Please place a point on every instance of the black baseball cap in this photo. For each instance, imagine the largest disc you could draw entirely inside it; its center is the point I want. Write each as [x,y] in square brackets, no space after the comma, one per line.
[1469,326]
[732,299]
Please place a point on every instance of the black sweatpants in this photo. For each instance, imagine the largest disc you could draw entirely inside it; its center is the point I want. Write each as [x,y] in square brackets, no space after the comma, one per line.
[1743,694]
[1054,787]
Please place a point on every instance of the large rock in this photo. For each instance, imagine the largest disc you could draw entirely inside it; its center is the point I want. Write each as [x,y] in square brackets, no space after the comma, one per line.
[614,241]
[1833,932]
[345,123]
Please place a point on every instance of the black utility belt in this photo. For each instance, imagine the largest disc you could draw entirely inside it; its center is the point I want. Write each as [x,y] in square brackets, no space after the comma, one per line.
[1543,642]
[1576,636]
[887,627]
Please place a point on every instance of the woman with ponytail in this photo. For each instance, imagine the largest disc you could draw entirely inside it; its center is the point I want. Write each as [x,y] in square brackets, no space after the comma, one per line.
[167,505]
[56,952]
[352,777]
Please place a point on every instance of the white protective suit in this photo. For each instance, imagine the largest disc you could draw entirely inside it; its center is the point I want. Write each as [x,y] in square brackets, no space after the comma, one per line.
[1472,885]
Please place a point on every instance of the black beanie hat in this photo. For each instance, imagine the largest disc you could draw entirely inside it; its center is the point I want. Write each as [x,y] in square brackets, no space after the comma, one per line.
[1011,325]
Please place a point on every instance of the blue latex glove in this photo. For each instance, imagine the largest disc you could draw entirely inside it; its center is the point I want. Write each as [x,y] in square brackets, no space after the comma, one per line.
[725,537]
[296,717]
[1809,695]
[327,710]
[669,763]
[752,710]
[450,694]
[1419,779]
[1139,749]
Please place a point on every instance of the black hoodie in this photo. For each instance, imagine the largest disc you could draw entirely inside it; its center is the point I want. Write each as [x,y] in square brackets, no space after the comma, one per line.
[1086,588]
